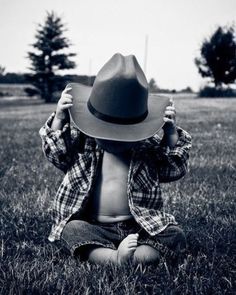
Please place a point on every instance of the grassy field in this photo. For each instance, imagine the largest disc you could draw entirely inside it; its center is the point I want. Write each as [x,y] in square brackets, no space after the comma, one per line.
[203,203]
[13,91]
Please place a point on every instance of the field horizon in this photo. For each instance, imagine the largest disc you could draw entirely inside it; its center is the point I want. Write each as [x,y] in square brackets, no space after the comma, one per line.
[203,203]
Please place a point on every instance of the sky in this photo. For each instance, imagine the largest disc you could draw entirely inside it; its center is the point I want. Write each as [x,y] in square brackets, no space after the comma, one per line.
[172,30]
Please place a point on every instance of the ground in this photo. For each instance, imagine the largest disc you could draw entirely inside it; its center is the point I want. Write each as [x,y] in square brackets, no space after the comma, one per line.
[203,203]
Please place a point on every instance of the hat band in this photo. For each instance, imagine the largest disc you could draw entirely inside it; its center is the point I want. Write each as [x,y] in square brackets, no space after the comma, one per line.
[116,120]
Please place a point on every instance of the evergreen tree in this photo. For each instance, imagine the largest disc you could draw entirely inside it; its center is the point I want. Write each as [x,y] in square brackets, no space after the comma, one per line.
[218,57]
[49,56]
[153,85]
[2,70]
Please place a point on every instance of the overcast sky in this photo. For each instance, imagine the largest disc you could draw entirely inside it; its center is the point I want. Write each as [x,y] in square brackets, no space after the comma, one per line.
[100,28]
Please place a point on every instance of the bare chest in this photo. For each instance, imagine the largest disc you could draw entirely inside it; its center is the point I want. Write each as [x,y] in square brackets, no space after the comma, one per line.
[114,167]
[109,199]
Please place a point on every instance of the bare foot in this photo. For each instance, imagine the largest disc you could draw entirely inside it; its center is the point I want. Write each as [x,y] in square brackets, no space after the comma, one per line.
[127,248]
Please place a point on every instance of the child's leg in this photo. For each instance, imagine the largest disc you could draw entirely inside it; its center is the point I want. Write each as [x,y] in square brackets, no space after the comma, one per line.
[169,243]
[95,243]
[102,255]
[98,254]
[173,238]
[81,237]
[146,254]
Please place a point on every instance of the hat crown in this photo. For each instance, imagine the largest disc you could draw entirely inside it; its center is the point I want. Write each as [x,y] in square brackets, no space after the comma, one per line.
[120,91]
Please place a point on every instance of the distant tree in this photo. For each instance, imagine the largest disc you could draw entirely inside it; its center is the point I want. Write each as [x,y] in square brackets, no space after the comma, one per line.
[49,56]
[218,57]
[153,85]
[2,70]
[13,78]
[188,89]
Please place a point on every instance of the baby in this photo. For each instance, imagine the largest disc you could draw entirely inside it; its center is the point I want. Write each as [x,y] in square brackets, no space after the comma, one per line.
[109,207]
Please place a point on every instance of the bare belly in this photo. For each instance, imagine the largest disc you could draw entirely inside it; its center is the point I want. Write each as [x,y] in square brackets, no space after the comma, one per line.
[109,200]
[110,203]
[111,219]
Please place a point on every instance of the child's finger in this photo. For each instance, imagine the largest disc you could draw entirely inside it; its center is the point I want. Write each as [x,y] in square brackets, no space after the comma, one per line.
[171,101]
[133,244]
[66,106]
[66,100]
[169,114]
[170,108]
[66,90]
[66,97]
[168,120]
[133,236]
[132,248]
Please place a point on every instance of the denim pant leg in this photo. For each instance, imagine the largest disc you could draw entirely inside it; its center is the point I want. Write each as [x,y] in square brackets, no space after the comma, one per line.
[79,233]
[173,237]
[170,243]
[174,240]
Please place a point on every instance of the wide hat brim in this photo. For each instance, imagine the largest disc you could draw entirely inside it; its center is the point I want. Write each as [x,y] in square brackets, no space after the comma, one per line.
[97,128]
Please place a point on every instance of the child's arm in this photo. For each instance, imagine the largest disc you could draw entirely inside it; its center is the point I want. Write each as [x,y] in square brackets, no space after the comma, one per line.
[173,160]
[62,114]
[174,149]
[170,136]
[57,136]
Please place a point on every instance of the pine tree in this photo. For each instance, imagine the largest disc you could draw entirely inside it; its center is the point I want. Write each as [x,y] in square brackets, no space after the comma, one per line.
[153,86]
[218,57]
[2,70]
[49,56]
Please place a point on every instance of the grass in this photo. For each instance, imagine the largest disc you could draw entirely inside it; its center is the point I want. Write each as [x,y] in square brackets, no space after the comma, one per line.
[13,90]
[203,203]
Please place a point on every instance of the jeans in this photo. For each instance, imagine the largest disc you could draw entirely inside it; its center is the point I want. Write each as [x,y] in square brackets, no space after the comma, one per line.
[77,234]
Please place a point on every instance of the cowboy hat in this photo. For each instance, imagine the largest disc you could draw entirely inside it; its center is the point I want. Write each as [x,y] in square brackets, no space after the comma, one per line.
[118,106]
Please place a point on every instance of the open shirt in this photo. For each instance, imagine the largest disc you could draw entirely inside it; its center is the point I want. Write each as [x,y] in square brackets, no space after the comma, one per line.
[152,162]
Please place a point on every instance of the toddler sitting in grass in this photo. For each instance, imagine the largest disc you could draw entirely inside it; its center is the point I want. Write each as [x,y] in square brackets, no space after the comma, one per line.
[109,206]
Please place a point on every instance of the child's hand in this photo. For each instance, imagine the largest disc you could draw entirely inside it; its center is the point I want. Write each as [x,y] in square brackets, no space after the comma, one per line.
[170,118]
[64,103]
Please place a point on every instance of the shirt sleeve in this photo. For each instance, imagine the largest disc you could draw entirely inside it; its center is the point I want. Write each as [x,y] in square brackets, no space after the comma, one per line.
[172,162]
[57,144]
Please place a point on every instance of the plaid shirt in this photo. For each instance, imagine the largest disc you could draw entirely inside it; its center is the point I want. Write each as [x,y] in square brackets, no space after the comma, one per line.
[151,163]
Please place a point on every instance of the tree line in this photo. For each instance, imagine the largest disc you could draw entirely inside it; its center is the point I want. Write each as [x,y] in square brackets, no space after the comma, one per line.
[50,56]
